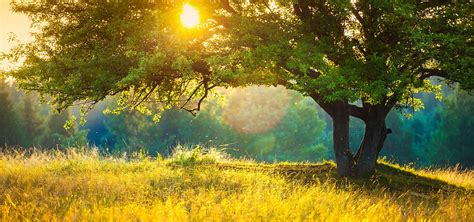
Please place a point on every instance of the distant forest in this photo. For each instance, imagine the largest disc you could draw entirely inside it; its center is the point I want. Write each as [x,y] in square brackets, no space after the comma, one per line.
[263,123]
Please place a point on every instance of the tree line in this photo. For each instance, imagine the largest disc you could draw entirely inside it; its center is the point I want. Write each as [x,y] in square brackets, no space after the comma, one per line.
[303,133]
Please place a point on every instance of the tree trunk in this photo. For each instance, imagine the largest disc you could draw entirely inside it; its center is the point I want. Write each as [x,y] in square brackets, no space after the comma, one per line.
[344,157]
[339,112]
[385,132]
[372,142]
[369,149]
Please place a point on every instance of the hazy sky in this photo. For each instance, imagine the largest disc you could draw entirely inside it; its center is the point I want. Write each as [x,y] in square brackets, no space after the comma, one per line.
[11,22]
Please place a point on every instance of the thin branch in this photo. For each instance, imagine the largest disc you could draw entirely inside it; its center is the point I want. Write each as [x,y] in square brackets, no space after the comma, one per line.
[192,95]
[206,93]
[146,96]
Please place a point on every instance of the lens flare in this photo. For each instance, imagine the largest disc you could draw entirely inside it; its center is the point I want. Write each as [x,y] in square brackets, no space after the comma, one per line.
[255,109]
[190,16]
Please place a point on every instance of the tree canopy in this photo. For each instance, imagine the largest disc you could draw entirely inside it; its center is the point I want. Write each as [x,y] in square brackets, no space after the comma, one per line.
[338,52]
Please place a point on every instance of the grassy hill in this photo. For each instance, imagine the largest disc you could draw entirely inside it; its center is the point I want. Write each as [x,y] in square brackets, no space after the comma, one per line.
[85,186]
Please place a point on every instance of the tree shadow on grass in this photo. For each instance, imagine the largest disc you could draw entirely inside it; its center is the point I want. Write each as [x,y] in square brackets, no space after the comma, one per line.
[386,177]
[402,180]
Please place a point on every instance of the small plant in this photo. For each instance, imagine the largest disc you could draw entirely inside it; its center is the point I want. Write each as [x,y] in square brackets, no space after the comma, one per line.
[189,156]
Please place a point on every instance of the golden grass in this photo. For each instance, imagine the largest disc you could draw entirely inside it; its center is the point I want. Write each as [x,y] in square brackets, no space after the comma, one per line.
[83,186]
[463,178]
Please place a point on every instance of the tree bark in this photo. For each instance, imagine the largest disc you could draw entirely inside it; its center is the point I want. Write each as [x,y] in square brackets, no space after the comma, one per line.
[372,142]
[339,112]
[385,132]
[362,165]
[344,157]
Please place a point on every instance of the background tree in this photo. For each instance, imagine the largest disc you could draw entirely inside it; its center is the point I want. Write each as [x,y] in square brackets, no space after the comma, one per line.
[452,140]
[10,133]
[33,124]
[423,140]
[297,133]
[56,128]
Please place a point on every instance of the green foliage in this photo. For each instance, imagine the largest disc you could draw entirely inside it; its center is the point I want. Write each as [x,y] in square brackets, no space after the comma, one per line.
[375,51]
[338,52]
[191,156]
[56,129]
[77,139]
[270,129]
[10,133]
[438,135]
[27,123]
[133,48]
[131,132]
[33,124]
[452,140]
[303,134]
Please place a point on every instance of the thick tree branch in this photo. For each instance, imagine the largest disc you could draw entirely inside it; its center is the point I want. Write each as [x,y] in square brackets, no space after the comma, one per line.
[226,5]
[357,112]
[426,73]
[359,18]
[301,10]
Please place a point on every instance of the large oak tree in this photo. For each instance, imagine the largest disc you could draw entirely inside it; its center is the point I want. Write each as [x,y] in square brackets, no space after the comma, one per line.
[341,53]
[361,58]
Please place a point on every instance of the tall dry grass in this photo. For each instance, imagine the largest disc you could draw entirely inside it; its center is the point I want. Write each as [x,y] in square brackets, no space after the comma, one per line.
[85,186]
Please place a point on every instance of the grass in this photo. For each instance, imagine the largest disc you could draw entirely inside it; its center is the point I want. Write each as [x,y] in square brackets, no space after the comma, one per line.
[192,186]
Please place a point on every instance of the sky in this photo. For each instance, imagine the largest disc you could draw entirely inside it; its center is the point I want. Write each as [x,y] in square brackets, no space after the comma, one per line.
[11,22]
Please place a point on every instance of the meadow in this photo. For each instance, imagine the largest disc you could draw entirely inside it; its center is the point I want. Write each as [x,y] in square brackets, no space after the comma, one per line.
[83,185]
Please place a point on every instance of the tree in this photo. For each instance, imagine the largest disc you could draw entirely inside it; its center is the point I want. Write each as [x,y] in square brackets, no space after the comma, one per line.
[455,120]
[86,51]
[376,52]
[337,52]
[293,132]
[10,133]
[55,128]
[32,124]
[407,43]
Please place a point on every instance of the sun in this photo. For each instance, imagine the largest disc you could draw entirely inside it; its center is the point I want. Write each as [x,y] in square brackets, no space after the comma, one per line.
[190,16]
